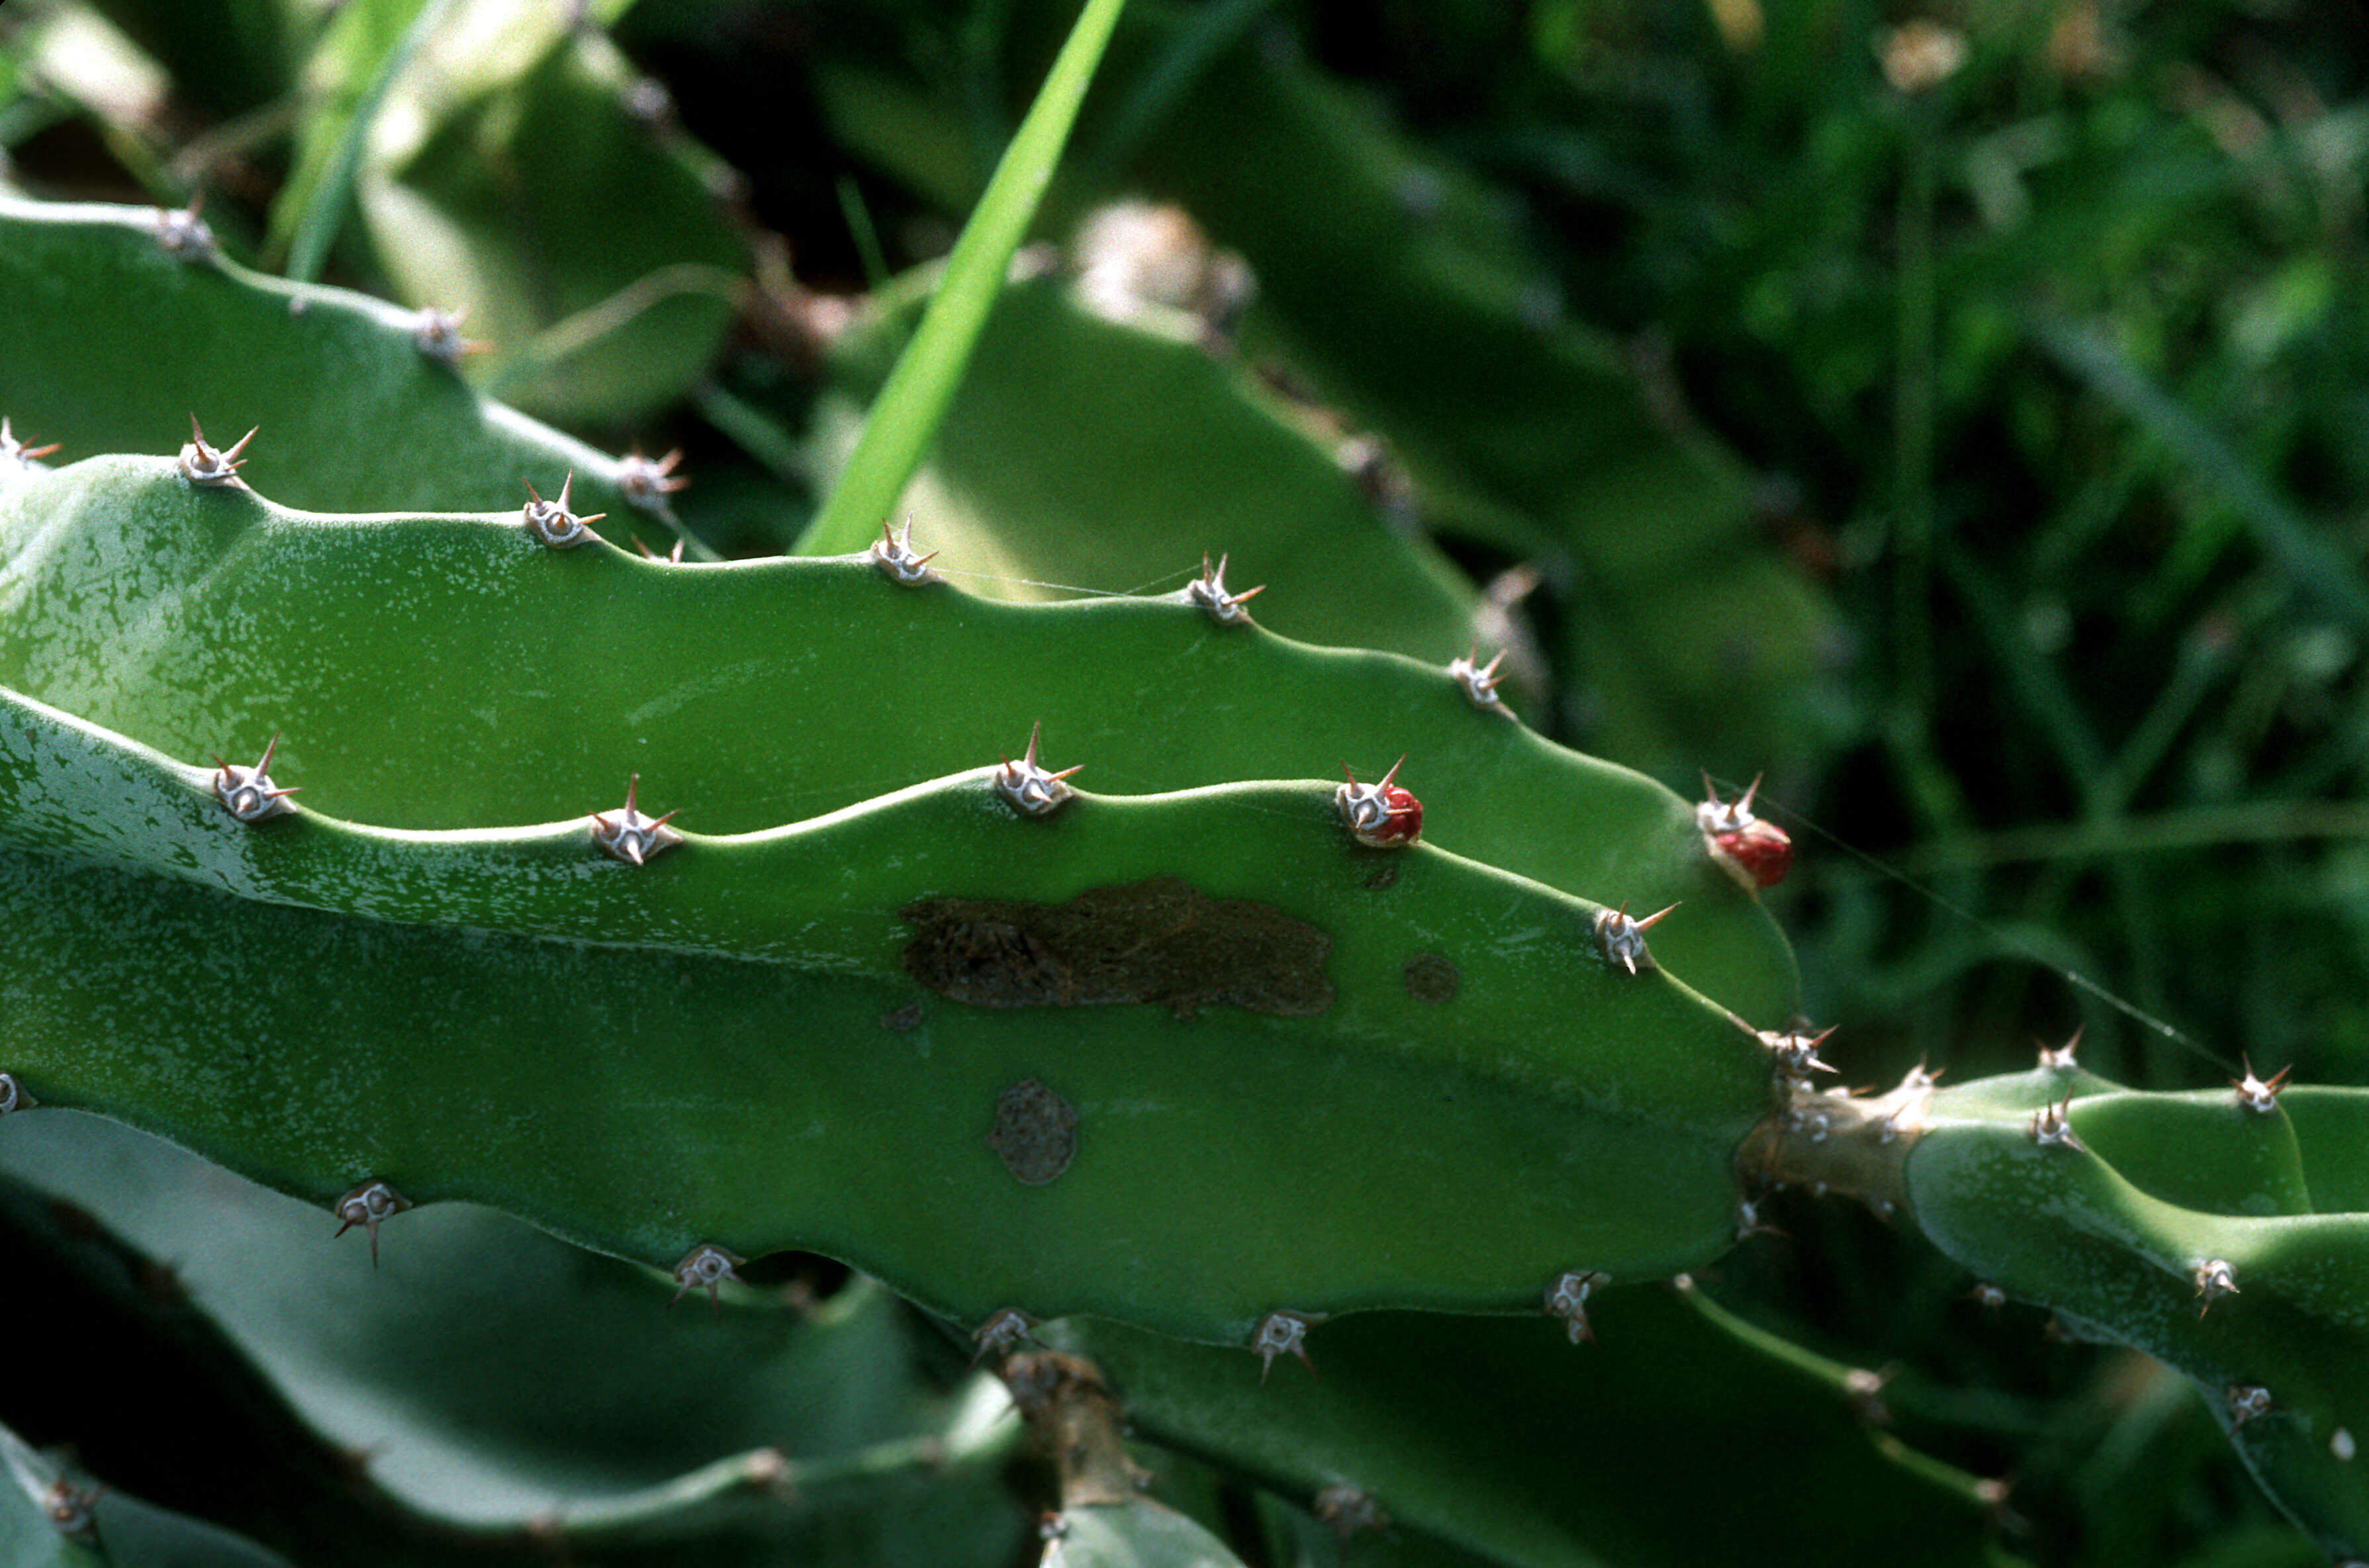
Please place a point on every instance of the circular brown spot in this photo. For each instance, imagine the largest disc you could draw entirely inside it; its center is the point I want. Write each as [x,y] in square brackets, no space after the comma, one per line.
[1035,1132]
[897,1020]
[1430,977]
[1383,877]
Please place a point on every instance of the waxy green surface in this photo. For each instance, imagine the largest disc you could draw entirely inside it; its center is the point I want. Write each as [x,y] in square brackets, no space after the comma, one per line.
[2111,1238]
[703,1049]
[450,672]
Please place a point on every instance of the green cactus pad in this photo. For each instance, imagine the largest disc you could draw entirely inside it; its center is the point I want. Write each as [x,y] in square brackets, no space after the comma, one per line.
[2119,1235]
[753,1041]
[354,417]
[450,672]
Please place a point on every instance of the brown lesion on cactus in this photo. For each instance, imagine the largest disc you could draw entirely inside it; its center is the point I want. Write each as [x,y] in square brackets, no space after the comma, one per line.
[1430,977]
[1837,1141]
[1035,1132]
[1078,1422]
[1158,940]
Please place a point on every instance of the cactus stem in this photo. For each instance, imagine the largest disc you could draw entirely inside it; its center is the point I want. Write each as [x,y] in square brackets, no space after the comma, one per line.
[1380,815]
[552,523]
[897,559]
[2259,1096]
[17,451]
[366,1205]
[1479,682]
[2215,1279]
[1833,1142]
[706,1266]
[248,794]
[206,465]
[1208,592]
[1282,1333]
[2060,1058]
[1002,1331]
[1029,788]
[632,837]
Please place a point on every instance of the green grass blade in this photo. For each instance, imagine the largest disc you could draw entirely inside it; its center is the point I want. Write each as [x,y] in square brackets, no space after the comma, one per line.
[375,40]
[905,417]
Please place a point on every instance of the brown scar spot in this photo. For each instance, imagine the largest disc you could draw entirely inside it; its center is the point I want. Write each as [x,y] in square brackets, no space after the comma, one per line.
[898,1020]
[1157,941]
[1035,1132]
[1430,977]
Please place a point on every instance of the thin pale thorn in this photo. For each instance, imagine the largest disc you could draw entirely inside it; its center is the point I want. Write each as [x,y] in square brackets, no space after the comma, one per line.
[633,848]
[1749,791]
[273,744]
[1247,594]
[241,444]
[1394,772]
[1065,773]
[1651,920]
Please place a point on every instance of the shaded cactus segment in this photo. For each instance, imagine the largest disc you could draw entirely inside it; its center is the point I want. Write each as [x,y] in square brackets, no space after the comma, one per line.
[699,1051]
[1500,1439]
[51,1517]
[357,416]
[2114,1235]
[516,1396]
[381,645]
